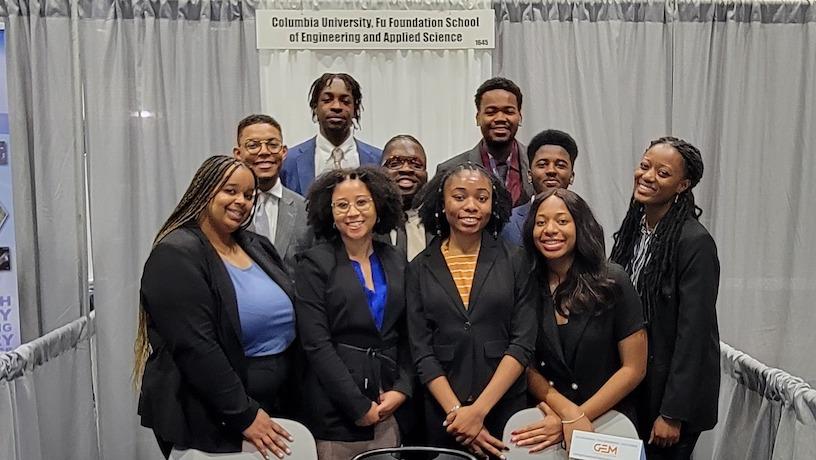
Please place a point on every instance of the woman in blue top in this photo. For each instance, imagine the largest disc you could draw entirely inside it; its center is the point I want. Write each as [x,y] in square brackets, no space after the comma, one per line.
[217,321]
[350,304]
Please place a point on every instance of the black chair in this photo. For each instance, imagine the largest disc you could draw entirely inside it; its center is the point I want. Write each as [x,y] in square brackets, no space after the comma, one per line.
[414,453]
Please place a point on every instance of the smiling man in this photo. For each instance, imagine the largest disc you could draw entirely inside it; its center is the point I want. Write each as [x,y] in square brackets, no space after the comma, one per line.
[551,155]
[405,162]
[336,101]
[498,115]
[280,214]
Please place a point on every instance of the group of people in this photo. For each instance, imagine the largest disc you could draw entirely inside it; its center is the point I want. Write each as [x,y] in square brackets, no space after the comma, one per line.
[386,309]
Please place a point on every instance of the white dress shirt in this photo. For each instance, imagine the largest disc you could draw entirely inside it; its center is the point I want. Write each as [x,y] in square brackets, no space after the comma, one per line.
[323,154]
[268,204]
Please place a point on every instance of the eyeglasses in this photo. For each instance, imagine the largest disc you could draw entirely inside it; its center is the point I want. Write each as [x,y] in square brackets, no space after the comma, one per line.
[253,146]
[396,162]
[362,204]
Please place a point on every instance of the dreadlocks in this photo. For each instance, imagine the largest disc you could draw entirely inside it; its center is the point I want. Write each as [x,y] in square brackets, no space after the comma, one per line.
[210,177]
[662,250]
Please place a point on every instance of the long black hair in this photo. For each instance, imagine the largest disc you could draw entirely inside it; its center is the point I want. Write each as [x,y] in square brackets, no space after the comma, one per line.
[431,201]
[587,287]
[662,249]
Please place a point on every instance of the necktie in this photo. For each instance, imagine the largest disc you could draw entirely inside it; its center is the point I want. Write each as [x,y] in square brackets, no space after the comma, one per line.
[261,217]
[337,157]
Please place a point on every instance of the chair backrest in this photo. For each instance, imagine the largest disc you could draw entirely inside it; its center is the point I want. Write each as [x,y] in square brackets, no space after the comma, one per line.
[414,453]
[612,423]
[303,447]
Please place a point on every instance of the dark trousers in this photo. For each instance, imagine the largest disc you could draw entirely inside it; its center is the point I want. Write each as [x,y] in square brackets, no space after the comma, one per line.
[680,451]
[266,376]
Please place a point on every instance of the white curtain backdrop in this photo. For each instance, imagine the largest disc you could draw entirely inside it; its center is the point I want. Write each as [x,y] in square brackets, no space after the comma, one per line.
[426,93]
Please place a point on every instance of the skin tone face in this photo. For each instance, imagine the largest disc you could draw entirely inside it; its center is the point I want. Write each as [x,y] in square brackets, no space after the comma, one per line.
[659,177]
[334,111]
[353,209]
[551,168]
[554,231]
[468,202]
[498,116]
[261,147]
[232,203]
[405,163]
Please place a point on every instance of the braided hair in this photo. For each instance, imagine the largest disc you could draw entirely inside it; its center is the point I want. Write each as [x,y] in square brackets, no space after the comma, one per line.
[213,173]
[662,249]
[431,201]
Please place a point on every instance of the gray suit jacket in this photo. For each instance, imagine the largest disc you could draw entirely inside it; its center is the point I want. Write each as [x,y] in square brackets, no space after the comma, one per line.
[474,156]
[293,235]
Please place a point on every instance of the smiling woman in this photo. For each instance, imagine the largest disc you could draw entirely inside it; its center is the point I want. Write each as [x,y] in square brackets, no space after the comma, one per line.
[214,376]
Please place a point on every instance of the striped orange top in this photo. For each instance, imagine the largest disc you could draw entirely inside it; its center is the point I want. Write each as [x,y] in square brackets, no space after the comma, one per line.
[461,268]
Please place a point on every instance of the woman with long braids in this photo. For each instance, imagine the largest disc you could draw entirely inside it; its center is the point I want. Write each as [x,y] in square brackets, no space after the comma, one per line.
[470,312]
[217,321]
[672,261]
[591,348]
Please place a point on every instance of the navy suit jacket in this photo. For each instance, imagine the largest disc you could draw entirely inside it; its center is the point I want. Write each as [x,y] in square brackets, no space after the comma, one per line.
[514,230]
[298,170]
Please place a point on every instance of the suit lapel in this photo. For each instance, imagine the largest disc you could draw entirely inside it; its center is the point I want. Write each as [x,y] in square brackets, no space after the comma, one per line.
[221,283]
[550,327]
[306,166]
[439,270]
[579,323]
[393,275]
[253,247]
[484,264]
[285,224]
[475,156]
[346,276]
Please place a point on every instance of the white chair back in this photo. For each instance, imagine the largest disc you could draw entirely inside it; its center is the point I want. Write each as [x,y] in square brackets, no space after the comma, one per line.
[612,423]
[303,447]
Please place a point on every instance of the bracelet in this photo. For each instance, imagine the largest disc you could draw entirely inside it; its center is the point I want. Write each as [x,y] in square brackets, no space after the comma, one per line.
[569,422]
[453,409]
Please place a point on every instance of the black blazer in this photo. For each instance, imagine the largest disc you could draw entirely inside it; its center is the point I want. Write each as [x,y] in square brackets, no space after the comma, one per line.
[193,391]
[349,360]
[466,345]
[683,375]
[583,365]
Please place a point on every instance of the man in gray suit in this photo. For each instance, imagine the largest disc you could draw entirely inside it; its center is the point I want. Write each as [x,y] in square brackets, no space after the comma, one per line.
[280,214]
[498,115]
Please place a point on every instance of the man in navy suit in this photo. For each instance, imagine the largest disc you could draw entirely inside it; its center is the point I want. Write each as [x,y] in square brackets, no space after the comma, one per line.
[551,154]
[336,101]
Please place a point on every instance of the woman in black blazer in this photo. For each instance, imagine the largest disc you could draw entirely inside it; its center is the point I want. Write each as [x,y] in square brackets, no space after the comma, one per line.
[470,314]
[591,348]
[218,355]
[673,263]
[351,315]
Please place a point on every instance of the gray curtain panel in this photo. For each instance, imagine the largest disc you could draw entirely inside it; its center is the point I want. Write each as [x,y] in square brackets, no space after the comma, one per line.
[165,86]
[45,164]
[46,396]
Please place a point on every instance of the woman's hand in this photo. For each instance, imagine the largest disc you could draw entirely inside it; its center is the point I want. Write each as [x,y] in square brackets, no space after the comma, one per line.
[465,423]
[665,432]
[582,424]
[541,434]
[390,401]
[268,436]
[485,444]
[371,417]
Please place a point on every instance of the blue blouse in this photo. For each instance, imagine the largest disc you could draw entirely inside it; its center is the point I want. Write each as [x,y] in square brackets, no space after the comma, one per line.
[266,312]
[377,297]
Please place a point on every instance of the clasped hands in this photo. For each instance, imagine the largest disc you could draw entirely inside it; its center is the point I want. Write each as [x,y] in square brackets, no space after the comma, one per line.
[550,430]
[389,402]
[466,424]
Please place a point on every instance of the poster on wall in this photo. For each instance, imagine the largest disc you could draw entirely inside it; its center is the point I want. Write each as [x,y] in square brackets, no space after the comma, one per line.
[9,312]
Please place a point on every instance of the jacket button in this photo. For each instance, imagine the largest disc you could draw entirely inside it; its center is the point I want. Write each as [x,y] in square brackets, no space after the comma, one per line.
[574,386]
[552,384]
[543,364]
[467,325]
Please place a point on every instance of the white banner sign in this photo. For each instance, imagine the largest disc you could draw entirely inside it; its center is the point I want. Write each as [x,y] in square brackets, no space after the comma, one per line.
[277,29]
[596,446]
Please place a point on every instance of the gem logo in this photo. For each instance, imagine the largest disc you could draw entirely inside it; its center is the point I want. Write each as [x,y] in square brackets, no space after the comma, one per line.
[604,448]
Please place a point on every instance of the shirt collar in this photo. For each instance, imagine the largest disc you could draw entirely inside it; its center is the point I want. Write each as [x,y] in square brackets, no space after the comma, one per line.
[644,229]
[324,145]
[276,190]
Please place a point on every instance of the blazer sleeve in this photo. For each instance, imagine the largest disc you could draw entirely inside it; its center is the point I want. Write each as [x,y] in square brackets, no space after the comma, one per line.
[524,325]
[420,332]
[697,286]
[405,382]
[178,300]
[316,337]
